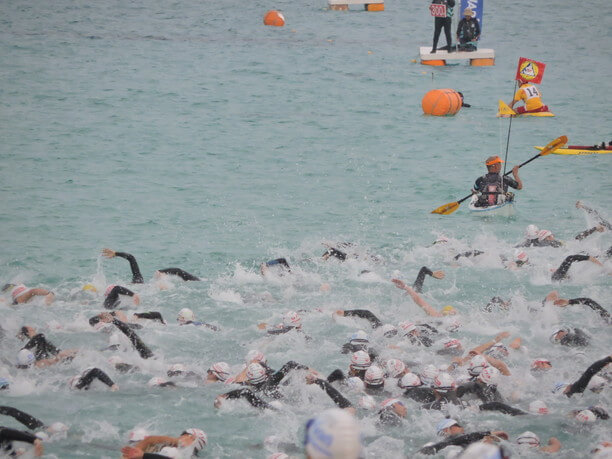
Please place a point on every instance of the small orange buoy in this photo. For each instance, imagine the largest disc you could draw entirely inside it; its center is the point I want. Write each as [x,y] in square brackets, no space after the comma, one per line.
[274,18]
[441,102]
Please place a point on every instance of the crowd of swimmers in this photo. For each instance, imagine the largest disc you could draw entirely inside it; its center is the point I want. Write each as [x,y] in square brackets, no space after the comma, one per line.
[385,379]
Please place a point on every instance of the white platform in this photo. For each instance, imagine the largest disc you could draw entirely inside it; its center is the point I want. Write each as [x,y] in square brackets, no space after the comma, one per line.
[481,53]
[353,2]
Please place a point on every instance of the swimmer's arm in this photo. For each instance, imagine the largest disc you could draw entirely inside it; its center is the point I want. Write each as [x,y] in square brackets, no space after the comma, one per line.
[562,270]
[501,366]
[580,385]
[554,445]
[27,296]
[593,305]
[180,273]
[246,394]
[340,400]
[24,418]
[362,314]
[58,358]
[277,377]
[136,276]
[425,271]
[156,440]
[483,347]
[502,408]
[417,298]
[588,232]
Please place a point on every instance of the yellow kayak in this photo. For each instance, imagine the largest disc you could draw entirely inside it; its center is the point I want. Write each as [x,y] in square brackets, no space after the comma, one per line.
[575,151]
[504,111]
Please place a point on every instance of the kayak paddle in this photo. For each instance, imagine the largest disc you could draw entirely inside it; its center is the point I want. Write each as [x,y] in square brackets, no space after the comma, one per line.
[451,207]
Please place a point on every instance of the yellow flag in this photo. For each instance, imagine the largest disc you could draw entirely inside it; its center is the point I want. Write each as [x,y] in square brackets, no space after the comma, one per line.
[503,110]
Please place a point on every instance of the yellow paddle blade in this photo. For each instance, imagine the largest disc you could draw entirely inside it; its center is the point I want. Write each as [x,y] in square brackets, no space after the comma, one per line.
[503,110]
[446,209]
[552,146]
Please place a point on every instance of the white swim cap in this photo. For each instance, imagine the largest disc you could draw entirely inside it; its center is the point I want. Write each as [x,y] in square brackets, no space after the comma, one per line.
[497,351]
[256,374]
[292,319]
[334,434]
[360,360]
[137,434]
[538,407]
[410,380]
[221,370]
[359,337]
[57,428]
[389,330]
[355,384]
[543,234]
[528,438]
[444,382]
[185,315]
[477,364]
[452,344]
[531,232]
[445,424]
[254,356]
[395,367]
[596,384]
[200,438]
[480,450]
[374,376]
[177,368]
[489,376]
[428,373]
[586,416]
[406,327]
[521,255]
[25,358]
[18,290]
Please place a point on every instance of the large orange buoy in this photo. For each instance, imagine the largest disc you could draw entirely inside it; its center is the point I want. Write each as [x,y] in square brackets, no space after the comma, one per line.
[441,102]
[274,18]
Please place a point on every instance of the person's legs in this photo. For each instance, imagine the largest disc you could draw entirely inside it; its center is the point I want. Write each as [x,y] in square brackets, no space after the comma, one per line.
[438,24]
[447,32]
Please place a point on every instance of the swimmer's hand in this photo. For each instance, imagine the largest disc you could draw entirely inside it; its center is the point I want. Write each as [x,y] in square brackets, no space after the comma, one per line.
[501,336]
[339,312]
[437,274]
[108,253]
[262,326]
[219,400]
[516,343]
[114,388]
[399,284]
[578,205]
[130,452]
[49,297]
[38,447]
[136,299]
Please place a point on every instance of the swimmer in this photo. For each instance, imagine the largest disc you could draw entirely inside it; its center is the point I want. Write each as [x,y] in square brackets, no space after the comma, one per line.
[360,362]
[455,435]
[446,311]
[138,344]
[581,383]
[190,440]
[547,239]
[561,272]
[554,298]
[84,380]
[570,337]
[43,349]
[361,313]
[8,436]
[530,440]
[187,317]
[291,321]
[22,294]
[531,237]
[281,263]
[333,434]
[137,276]
[111,296]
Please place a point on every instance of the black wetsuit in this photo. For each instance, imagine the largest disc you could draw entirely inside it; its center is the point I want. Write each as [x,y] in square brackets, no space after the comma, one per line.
[340,400]
[282,330]
[548,243]
[528,243]
[502,408]
[468,30]
[279,261]
[593,305]
[445,23]
[43,349]
[586,233]
[89,376]
[421,394]
[201,324]
[576,339]
[484,392]
[494,179]
[152,315]
[561,272]
[112,299]
[331,252]
[418,283]
[250,397]
[581,383]
[364,314]
[458,440]
[269,386]
[137,276]
[24,418]
[471,253]
[141,347]
[8,436]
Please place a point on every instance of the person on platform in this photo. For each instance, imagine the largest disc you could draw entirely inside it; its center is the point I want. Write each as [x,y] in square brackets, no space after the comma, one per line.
[444,22]
[468,31]
[491,187]
[531,97]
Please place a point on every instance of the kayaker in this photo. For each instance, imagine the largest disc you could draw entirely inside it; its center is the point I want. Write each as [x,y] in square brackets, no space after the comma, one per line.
[489,186]
[531,97]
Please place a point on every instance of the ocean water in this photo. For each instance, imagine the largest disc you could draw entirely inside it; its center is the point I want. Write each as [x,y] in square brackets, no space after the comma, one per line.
[191,135]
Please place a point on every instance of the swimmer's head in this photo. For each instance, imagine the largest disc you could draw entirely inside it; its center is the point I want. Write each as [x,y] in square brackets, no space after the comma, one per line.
[428,373]
[544,235]
[559,387]
[255,356]
[90,288]
[520,256]
[410,380]
[137,435]
[185,315]
[586,416]
[389,330]
[596,384]
[538,407]
[444,382]
[360,360]
[476,365]
[25,358]
[292,319]
[219,370]
[395,367]
[559,334]
[531,232]
[529,439]
[7,287]
[355,384]
[374,377]
[4,384]
[199,436]
[540,365]
[406,327]
[256,374]
[448,310]
[497,351]
[395,405]
[333,434]
[448,426]
[359,337]
[490,376]
[176,369]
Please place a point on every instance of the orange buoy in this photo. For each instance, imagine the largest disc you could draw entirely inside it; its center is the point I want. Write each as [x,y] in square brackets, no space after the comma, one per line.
[441,102]
[274,18]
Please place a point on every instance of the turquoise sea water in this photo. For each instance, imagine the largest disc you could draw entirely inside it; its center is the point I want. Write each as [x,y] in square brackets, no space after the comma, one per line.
[191,135]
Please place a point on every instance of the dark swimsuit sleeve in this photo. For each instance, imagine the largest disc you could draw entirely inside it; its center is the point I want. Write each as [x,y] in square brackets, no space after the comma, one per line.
[43,349]
[333,393]
[152,315]
[585,233]
[112,299]
[580,385]
[279,331]
[461,440]
[95,373]
[277,377]
[502,408]
[418,283]
[511,182]
[24,418]
[249,396]
[180,273]
[561,272]
[331,252]
[593,305]
[154,456]
[7,434]
[336,375]
[136,276]
[364,314]
[141,347]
